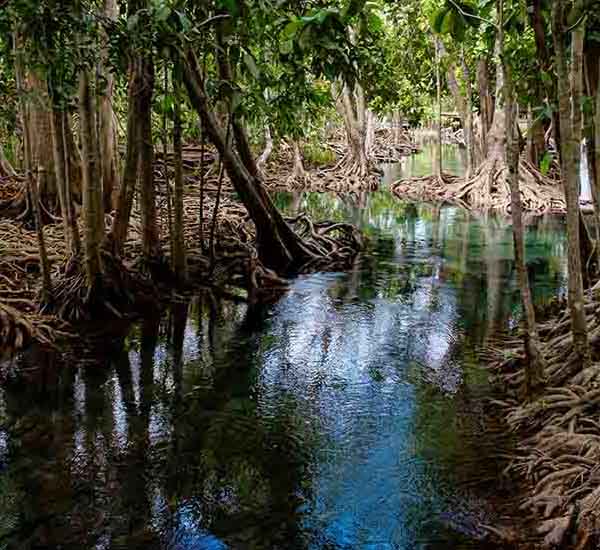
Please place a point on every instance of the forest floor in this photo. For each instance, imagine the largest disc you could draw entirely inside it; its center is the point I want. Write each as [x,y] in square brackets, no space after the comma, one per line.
[557,457]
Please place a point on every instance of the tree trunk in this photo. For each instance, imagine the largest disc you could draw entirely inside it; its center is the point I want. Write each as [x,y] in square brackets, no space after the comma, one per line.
[486,103]
[42,156]
[32,188]
[352,109]
[6,168]
[63,180]
[92,188]
[570,128]
[132,155]
[266,154]
[278,246]
[108,131]
[150,241]
[226,74]
[370,133]
[438,87]
[298,172]
[535,363]
[544,62]
[179,260]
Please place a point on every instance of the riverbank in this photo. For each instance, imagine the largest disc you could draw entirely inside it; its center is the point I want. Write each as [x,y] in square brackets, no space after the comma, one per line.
[558,451]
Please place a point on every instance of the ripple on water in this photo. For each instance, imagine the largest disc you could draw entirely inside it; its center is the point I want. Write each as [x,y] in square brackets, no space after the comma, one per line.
[347,415]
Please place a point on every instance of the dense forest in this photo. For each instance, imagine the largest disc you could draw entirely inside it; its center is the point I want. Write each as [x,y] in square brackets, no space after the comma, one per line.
[146,145]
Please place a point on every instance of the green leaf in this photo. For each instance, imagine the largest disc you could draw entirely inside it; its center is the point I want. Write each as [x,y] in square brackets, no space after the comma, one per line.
[133,21]
[163,13]
[437,19]
[290,29]
[251,65]
[286,47]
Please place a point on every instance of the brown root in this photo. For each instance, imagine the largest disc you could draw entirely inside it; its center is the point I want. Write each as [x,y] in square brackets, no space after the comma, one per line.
[488,189]
[559,432]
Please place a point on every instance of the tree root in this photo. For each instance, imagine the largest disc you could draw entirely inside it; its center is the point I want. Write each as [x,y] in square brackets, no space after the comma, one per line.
[488,189]
[425,188]
[18,329]
[559,433]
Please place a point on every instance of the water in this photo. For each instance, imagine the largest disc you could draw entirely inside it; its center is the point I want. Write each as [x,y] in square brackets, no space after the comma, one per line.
[347,415]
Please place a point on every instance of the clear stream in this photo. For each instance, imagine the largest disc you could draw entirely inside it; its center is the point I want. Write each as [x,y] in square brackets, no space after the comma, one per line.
[345,416]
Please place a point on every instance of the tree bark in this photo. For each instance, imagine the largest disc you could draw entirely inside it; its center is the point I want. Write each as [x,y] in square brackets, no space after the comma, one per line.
[6,168]
[535,363]
[486,103]
[438,88]
[32,187]
[570,127]
[179,255]
[544,62]
[132,155]
[298,172]
[278,246]
[266,154]
[92,187]
[63,180]
[352,109]
[150,240]
[226,74]
[108,131]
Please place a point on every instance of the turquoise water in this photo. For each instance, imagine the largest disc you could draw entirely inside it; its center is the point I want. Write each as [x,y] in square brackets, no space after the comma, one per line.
[347,415]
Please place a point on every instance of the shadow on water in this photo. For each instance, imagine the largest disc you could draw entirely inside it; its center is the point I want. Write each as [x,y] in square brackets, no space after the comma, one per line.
[347,415]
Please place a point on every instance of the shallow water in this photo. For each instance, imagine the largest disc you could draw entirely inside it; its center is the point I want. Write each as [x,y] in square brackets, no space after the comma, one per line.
[347,415]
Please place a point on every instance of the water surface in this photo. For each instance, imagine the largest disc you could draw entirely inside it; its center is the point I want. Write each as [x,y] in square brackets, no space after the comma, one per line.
[347,415]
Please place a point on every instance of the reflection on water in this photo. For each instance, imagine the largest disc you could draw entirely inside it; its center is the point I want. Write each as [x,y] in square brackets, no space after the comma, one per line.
[422,163]
[345,416]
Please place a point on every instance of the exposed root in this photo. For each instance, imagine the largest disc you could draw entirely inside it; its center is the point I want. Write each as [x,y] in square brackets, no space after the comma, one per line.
[392,145]
[335,244]
[18,329]
[425,188]
[559,432]
[488,189]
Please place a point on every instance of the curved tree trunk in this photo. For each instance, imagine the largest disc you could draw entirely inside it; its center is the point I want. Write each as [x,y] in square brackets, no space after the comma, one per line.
[278,246]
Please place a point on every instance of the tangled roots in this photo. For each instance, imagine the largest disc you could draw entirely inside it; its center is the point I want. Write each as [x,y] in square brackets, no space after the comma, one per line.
[559,432]
[488,189]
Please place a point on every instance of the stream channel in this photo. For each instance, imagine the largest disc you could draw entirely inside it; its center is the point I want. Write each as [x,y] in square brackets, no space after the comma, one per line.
[348,415]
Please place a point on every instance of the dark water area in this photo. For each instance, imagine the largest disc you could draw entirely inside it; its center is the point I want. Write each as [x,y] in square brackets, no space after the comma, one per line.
[348,415]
